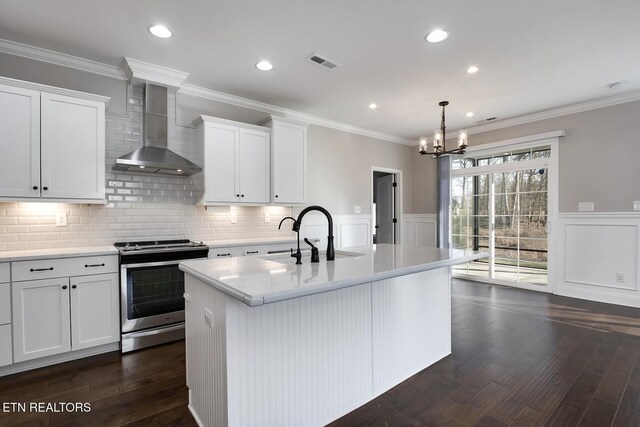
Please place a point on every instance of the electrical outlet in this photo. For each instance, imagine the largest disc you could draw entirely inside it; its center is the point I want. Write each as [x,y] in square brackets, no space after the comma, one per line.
[585,207]
[208,318]
[234,217]
[267,217]
[357,209]
[61,219]
[620,277]
[636,205]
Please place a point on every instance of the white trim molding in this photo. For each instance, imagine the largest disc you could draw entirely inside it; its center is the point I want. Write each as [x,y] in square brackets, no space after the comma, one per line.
[594,104]
[140,71]
[62,59]
[419,229]
[599,257]
[238,101]
[55,90]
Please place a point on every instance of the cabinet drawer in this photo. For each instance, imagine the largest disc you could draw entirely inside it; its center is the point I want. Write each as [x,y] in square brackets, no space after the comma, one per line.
[254,250]
[5,303]
[225,252]
[4,272]
[5,345]
[62,267]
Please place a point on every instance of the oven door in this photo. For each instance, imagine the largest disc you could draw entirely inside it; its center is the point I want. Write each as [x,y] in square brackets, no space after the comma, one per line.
[152,294]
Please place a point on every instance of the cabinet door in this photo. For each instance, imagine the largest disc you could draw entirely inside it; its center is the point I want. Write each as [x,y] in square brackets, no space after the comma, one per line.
[221,163]
[289,165]
[19,142]
[254,166]
[72,148]
[95,310]
[40,318]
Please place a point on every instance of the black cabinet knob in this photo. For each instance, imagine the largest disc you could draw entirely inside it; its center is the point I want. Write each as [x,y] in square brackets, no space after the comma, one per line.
[64,287]
[73,286]
[242,195]
[237,195]
[45,188]
[276,196]
[35,187]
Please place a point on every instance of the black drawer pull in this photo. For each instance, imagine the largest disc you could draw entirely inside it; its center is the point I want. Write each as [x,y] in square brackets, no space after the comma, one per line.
[45,188]
[64,287]
[35,187]
[227,254]
[252,252]
[40,269]
[93,265]
[73,286]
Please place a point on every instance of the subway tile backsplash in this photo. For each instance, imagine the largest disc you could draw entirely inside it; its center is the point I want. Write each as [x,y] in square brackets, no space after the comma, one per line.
[139,206]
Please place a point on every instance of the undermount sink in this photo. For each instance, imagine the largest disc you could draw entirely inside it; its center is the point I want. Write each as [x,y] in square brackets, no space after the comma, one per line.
[286,258]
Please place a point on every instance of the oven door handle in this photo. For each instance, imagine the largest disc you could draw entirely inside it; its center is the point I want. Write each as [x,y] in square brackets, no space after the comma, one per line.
[157,264]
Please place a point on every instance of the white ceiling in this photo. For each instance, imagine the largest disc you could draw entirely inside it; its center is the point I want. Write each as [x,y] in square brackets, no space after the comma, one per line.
[532,55]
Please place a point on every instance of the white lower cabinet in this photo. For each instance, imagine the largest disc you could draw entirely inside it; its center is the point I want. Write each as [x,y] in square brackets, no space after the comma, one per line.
[94,310]
[52,316]
[6,357]
[62,314]
[41,322]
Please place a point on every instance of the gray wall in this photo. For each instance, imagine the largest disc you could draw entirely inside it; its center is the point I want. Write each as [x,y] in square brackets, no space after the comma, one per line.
[424,180]
[598,156]
[339,164]
[16,67]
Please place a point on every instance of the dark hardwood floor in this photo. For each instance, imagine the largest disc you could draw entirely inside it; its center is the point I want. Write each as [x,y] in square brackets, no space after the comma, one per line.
[519,358]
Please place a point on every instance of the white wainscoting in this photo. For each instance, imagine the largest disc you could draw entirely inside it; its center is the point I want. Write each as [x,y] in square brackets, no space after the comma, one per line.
[419,229]
[599,254]
[348,230]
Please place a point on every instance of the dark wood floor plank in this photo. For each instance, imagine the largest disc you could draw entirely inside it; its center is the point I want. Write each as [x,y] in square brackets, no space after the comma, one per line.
[529,417]
[598,413]
[550,394]
[564,416]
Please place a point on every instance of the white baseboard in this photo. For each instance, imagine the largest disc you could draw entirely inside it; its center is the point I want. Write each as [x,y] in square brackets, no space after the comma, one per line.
[58,358]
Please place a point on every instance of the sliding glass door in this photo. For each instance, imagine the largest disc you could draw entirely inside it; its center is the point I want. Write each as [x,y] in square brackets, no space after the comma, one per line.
[500,204]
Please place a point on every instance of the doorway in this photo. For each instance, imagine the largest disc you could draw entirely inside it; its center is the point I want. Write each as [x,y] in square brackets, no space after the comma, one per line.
[384,206]
[502,203]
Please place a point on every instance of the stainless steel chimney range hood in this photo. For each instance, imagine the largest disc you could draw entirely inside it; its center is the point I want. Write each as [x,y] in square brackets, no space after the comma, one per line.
[154,156]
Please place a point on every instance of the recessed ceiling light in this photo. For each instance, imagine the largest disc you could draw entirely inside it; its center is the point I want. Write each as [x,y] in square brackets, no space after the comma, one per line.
[160,31]
[264,66]
[469,114]
[436,36]
[141,167]
[373,106]
[473,69]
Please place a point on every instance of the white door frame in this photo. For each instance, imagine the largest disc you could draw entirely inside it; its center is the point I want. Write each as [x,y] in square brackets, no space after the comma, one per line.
[552,140]
[399,212]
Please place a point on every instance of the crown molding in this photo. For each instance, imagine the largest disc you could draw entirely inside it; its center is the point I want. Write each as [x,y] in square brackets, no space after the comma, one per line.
[62,59]
[238,101]
[594,104]
[139,72]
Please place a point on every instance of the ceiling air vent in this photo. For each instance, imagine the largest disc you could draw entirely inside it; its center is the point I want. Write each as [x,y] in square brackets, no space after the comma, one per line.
[322,61]
[490,119]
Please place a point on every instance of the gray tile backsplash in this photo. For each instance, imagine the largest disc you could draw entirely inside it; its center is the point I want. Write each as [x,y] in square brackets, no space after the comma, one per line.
[139,206]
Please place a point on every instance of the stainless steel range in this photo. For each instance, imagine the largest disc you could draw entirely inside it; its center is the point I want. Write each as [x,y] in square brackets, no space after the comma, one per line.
[152,288]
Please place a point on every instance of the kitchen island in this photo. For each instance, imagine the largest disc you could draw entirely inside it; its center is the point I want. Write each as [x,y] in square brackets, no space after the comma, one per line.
[272,343]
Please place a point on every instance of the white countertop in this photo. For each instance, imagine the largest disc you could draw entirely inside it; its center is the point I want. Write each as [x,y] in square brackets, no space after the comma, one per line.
[258,280]
[31,254]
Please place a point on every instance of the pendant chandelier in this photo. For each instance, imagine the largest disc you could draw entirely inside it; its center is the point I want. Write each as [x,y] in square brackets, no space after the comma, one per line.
[439,139]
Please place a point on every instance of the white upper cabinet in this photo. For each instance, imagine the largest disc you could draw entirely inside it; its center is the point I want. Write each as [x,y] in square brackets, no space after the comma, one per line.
[72,147]
[235,160]
[53,143]
[20,142]
[288,161]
